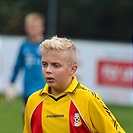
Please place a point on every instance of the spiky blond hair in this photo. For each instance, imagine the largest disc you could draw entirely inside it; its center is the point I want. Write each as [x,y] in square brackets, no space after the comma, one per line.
[61,45]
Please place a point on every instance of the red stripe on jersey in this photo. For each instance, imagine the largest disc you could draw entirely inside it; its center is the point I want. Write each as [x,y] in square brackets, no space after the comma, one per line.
[77,125]
[36,120]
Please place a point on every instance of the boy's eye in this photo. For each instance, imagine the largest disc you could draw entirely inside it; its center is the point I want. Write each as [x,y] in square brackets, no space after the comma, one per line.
[56,65]
[45,64]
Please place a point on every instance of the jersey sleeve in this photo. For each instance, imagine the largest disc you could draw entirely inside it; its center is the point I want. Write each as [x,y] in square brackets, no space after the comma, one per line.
[27,128]
[18,64]
[102,118]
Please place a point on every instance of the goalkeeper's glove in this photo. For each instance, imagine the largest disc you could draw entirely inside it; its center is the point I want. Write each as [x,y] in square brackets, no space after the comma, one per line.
[10,93]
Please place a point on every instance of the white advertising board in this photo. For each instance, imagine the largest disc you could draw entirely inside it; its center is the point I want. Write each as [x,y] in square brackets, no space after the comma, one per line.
[104,67]
[10,46]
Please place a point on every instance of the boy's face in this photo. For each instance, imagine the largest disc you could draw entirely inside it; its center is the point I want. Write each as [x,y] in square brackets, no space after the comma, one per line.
[56,71]
[34,27]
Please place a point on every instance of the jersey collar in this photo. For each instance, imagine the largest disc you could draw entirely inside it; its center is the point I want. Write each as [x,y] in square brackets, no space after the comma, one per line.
[71,88]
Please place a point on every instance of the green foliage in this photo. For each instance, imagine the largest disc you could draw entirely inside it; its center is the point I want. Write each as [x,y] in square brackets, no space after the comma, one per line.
[85,19]
[12,13]
[96,19]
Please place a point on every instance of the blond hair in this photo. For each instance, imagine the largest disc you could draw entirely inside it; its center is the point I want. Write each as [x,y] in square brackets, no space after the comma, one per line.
[61,45]
[35,16]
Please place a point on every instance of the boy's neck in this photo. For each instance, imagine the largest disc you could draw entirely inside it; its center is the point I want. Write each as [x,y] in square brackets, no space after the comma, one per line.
[36,39]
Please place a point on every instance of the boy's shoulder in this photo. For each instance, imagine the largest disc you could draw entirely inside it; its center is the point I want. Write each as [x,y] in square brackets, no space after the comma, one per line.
[36,96]
[36,93]
[85,92]
[33,101]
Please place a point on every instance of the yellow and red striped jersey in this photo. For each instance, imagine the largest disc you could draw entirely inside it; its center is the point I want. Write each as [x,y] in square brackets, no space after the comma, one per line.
[77,110]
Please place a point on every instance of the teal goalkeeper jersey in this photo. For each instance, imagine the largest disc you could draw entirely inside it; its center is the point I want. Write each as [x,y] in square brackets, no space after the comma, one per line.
[77,110]
[29,59]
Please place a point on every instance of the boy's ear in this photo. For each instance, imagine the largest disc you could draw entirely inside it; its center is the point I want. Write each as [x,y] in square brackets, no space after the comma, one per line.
[73,69]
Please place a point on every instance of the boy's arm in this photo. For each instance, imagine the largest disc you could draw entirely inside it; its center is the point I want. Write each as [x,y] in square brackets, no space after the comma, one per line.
[102,118]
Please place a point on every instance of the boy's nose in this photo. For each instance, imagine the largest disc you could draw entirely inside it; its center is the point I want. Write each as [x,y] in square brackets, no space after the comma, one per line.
[48,70]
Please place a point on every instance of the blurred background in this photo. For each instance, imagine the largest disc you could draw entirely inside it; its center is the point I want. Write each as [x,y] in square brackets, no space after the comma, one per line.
[102,31]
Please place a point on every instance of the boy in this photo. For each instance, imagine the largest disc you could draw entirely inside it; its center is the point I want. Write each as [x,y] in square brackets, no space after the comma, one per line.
[29,58]
[64,105]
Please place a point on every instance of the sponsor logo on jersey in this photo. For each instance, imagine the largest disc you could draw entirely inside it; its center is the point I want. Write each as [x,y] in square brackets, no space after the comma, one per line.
[55,116]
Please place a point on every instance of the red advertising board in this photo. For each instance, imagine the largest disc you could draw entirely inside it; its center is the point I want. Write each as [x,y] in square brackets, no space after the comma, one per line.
[115,73]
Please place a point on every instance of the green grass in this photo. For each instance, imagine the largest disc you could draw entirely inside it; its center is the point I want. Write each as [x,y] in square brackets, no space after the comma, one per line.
[124,115]
[11,116]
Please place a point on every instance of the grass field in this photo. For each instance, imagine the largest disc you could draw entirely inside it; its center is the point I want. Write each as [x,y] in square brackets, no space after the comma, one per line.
[11,119]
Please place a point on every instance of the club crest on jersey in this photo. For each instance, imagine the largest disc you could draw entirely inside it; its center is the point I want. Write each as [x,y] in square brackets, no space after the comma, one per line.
[75,120]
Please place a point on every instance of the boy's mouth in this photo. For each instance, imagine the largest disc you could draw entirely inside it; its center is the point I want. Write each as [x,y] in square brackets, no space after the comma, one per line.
[49,79]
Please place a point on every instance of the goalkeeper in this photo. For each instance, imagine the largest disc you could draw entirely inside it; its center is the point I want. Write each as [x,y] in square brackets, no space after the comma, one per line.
[29,58]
